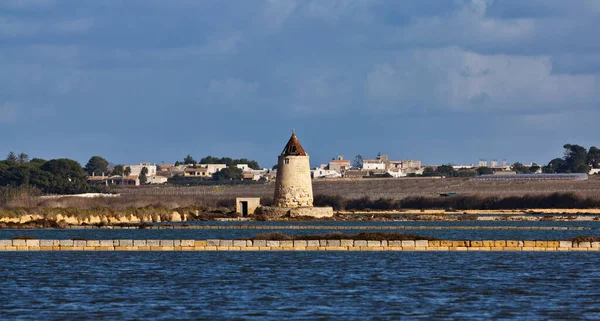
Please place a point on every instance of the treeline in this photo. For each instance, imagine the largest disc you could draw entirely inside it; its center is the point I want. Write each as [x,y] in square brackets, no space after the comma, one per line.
[460,202]
[449,171]
[230,162]
[56,176]
[446,171]
[577,159]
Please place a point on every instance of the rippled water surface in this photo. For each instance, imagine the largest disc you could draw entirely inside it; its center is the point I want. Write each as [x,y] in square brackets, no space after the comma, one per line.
[592,229]
[299,285]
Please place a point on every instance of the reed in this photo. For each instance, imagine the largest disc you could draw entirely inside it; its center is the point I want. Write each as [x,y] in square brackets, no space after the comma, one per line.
[462,202]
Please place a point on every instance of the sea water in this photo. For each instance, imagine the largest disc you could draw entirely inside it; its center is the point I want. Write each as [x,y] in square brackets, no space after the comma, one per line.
[299,285]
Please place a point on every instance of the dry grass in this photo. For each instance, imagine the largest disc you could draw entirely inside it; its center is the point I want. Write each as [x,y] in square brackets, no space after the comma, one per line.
[463,202]
[382,188]
[382,194]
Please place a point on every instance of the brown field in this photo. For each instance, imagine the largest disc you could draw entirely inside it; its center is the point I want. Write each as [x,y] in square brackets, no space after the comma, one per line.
[384,187]
[392,190]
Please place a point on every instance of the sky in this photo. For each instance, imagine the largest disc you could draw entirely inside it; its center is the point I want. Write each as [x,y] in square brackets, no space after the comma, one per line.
[441,81]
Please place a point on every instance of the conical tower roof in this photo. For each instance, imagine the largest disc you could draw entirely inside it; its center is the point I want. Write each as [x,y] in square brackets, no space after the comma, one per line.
[293,147]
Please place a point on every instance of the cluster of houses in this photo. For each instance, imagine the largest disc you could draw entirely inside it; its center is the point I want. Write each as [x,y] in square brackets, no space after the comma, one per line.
[340,167]
[160,174]
[336,168]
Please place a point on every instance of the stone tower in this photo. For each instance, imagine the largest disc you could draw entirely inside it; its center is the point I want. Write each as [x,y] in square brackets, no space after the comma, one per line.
[293,185]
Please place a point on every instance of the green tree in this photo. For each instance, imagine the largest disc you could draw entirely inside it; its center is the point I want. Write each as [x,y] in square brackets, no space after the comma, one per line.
[446,170]
[594,157]
[576,158]
[143,175]
[465,172]
[534,168]
[430,171]
[22,158]
[27,176]
[127,171]
[68,176]
[229,173]
[557,165]
[520,168]
[358,161]
[189,160]
[484,170]
[12,157]
[118,170]
[38,161]
[96,166]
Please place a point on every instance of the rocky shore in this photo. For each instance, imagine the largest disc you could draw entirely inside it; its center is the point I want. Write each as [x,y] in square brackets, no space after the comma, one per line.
[40,221]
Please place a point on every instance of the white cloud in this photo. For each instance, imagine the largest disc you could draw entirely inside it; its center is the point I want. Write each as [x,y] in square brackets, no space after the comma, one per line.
[459,80]
[469,26]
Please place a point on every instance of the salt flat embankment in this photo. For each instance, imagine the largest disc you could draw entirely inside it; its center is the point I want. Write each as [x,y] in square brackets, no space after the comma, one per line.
[295,245]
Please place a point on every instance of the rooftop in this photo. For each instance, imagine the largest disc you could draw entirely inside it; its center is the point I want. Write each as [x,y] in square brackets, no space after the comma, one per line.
[293,147]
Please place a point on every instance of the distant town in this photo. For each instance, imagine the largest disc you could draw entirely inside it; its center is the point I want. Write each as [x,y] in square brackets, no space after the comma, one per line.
[191,172]
[18,172]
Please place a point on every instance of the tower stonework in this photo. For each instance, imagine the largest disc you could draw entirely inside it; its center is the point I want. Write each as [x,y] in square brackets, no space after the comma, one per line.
[293,184]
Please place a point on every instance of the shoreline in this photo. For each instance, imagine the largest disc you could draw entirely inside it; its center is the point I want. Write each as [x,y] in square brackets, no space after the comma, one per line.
[556,211]
[295,245]
[100,219]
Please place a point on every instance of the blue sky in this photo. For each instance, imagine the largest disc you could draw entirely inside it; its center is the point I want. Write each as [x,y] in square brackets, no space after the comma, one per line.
[443,81]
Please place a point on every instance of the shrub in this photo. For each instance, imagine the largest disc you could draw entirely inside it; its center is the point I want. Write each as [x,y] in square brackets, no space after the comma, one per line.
[461,202]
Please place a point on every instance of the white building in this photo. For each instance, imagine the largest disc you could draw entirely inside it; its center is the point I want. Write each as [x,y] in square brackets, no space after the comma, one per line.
[137,169]
[382,162]
[324,173]
[243,167]
[212,168]
[156,180]
[369,164]
[457,167]
[396,173]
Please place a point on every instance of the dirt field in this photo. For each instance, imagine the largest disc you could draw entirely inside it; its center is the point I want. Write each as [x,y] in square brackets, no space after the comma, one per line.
[386,187]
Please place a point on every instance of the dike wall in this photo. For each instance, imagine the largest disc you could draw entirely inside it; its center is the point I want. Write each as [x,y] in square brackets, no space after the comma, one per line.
[295,245]
[328,227]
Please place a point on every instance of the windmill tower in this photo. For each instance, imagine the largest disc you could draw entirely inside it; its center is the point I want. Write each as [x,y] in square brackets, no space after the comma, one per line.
[293,184]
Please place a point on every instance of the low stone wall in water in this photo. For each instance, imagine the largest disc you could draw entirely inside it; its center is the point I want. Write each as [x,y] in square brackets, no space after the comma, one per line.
[295,245]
